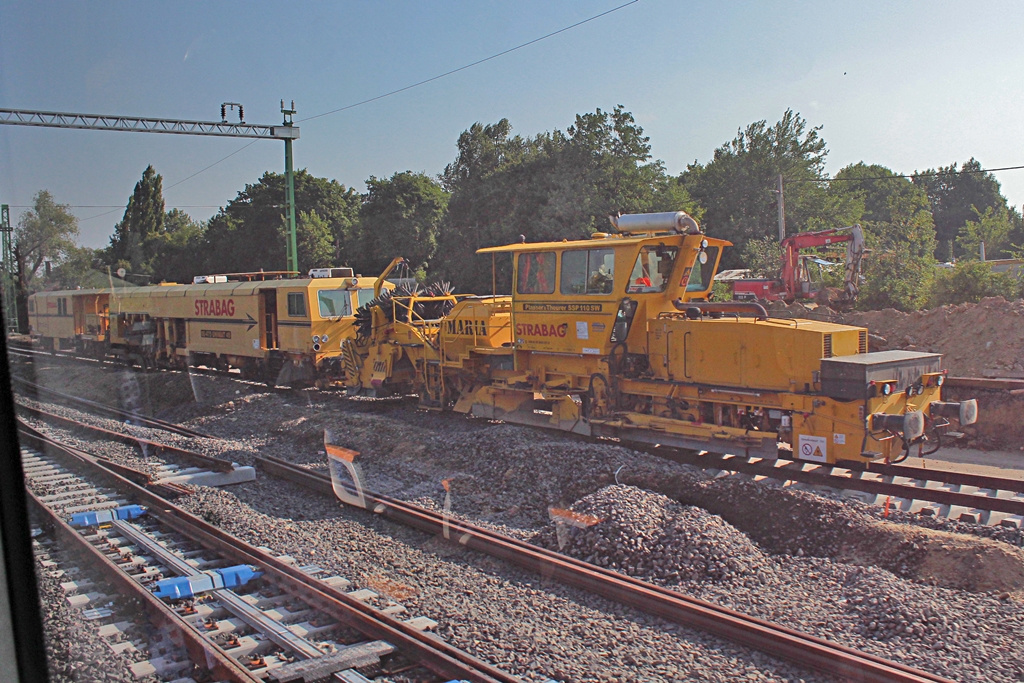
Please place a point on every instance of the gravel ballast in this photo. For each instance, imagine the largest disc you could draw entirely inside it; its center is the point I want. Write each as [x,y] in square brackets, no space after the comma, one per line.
[798,562]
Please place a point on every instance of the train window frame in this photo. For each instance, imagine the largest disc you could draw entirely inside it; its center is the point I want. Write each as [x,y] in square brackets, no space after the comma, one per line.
[598,277]
[704,271]
[344,298]
[649,276]
[296,304]
[542,267]
[364,296]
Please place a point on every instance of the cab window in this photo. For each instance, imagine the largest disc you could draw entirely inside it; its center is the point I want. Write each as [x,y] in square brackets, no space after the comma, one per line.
[702,273]
[652,269]
[536,273]
[588,271]
[365,296]
[334,303]
[296,304]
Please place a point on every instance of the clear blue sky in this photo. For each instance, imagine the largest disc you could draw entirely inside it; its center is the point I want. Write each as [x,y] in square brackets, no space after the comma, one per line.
[909,85]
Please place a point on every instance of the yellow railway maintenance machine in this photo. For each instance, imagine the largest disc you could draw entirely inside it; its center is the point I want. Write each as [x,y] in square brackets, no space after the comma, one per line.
[272,327]
[616,336]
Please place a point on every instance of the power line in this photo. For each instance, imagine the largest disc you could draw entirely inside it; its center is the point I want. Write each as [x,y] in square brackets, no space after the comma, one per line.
[403,89]
[470,65]
[912,175]
[212,165]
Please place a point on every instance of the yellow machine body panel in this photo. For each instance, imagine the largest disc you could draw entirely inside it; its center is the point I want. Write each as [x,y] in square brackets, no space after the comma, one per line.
[780,355]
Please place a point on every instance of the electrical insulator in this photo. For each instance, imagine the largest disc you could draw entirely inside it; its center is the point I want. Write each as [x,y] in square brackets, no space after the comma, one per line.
[241,114]
[223,114]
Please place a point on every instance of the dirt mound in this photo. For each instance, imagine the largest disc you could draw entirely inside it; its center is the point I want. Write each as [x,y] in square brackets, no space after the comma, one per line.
[977,340]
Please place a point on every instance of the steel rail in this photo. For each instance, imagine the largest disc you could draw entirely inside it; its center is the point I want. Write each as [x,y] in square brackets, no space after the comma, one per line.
[440,657]
[777,641]
[792,470]
[217,464]
[982,481]
[164,489]
[141,420]
[274,631]
[200,649]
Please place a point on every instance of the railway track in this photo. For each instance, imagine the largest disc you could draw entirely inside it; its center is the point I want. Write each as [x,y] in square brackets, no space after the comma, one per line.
[979,499]
[286,623]
[805,650]
[963,496]
[133,417]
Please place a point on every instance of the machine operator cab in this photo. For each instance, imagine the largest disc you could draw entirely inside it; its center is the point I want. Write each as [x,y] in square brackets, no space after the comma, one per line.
[581,297]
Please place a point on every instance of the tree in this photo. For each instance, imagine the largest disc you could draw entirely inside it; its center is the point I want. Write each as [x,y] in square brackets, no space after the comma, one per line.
[400,216]
[993,228]
[176,249]
[249,233]
[738,187]
[45,233]
[74,269]
[763,256]
[131,245]
[972,281]
[558,185]
[898,271]
[953,196]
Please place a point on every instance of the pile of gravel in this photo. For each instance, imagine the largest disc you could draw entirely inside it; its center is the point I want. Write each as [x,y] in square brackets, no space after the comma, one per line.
[963,635]
[646,534]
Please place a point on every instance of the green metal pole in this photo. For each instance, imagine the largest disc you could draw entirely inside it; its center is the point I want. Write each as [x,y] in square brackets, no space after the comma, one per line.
[289,175]
[289,179]
[9,290]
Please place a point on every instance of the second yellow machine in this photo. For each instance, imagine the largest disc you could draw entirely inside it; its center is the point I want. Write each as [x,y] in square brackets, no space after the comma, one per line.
[617,336]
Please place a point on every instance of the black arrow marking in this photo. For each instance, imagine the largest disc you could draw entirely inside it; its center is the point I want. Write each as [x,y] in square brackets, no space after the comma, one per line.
[251,321]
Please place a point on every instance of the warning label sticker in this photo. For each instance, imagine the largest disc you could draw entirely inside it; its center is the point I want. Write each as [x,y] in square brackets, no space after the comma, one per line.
[813,448]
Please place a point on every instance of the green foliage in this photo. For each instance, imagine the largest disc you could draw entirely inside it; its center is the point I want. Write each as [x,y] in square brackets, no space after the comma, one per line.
[994,227]
[143,221]
[763,256]
[176,249]
[899,267]
[559,185]
[954,196]
[737,188]
[45,232]
[75,268]
[400,216]
[972,281]
[895,279]
[250,233]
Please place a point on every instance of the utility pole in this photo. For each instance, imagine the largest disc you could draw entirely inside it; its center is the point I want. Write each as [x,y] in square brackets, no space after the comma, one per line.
[782,211]
[286,132]
[10,299]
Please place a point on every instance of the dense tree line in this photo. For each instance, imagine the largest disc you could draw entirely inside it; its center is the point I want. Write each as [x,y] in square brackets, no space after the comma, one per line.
[502,188]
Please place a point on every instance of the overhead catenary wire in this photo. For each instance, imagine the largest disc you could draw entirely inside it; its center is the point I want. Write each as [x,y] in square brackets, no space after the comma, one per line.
[905,175]
[400,90]
[470,65]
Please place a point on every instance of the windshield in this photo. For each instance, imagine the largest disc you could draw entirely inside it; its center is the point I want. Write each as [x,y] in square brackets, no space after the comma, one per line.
[334,303]
[652,269]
